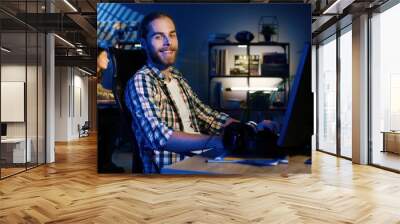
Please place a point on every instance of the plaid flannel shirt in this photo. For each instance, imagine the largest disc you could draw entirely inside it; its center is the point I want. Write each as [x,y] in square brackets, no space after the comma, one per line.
[155,116]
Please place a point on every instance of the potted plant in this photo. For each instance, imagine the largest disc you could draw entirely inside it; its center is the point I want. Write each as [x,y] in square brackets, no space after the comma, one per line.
[267,31]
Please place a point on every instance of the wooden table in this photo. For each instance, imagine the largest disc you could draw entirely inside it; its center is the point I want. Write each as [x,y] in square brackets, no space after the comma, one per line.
[391,141]
[14,151]
[199,165]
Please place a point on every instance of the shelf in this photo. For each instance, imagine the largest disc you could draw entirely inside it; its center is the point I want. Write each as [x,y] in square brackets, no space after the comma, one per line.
[219,67]
[282,44]
[245,76]
[255,110]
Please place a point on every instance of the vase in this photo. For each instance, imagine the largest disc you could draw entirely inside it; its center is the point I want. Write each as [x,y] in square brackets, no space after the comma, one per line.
[267,37]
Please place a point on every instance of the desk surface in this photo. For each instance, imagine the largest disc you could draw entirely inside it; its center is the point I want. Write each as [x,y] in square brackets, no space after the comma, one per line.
[13,140]
[198,165]
[390,132]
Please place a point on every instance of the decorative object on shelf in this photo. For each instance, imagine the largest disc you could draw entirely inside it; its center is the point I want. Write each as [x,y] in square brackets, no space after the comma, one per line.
[259,100]
[268,26]
[274,65]
[274,57]
[275,70]
[241,65]
[218,37]
[268,31]
[244,37]
[235,71]
[254,65]
[277,97]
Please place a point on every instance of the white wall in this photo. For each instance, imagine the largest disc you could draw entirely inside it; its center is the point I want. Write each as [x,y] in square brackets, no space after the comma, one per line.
[61,103]
[33,126]
[16,73]
[71,102]
[80,98]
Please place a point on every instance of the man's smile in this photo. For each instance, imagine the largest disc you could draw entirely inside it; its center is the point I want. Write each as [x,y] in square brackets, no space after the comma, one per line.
[167,51]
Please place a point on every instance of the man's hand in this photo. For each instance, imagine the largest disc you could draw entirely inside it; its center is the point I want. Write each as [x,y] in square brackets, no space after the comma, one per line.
[181,142]
[229,121]
[269,125]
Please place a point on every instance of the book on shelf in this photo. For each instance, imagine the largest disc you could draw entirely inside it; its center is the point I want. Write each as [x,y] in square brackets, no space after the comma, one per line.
[218,62]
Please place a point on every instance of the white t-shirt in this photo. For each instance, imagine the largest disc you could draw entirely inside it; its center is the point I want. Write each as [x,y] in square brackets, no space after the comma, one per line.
[182,107]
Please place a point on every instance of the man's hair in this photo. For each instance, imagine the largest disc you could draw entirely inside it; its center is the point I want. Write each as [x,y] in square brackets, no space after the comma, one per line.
[144,25]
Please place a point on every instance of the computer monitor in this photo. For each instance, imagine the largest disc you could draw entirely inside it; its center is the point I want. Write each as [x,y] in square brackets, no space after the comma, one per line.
[3,129]
[297,127]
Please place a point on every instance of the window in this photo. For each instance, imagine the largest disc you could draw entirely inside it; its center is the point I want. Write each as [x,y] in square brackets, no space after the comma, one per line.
[22,77]
[345,43]
[327,95]
[385,88]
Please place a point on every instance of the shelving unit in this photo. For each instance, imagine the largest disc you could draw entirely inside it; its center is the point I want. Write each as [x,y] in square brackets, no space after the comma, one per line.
[222,67]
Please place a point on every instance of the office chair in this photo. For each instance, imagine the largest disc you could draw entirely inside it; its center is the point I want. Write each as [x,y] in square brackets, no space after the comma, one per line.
[84,129]
[127,63]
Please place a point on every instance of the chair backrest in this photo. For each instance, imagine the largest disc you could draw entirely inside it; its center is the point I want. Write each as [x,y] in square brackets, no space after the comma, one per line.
[86,125]
[127,62]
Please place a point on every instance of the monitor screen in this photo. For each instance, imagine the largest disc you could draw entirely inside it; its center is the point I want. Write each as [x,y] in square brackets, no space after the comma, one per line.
[297,127]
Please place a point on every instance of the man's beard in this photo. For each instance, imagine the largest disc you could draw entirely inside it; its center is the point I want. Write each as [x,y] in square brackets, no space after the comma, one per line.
[165,62]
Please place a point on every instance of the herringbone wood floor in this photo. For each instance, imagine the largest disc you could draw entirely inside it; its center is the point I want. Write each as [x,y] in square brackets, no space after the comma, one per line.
[71,191]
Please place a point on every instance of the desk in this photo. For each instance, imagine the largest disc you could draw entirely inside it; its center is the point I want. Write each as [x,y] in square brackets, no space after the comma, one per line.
[391,141]
[198,165]
[13,150]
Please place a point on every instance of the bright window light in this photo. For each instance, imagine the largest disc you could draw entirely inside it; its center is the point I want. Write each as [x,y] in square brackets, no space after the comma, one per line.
[64,40]
[70,5]
[84,71]
[5,50]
